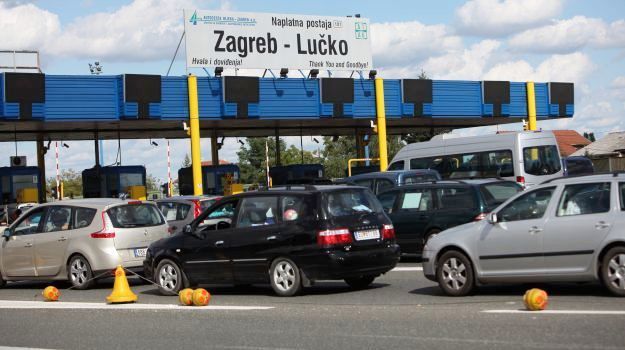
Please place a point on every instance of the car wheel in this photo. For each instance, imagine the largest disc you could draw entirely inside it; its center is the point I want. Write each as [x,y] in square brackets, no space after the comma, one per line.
[360,282]
[79,273]
[455,274]
[285,277]
[169,277]
[613,271]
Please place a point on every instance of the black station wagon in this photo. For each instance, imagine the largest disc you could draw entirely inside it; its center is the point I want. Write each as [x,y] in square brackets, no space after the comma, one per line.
[287,237]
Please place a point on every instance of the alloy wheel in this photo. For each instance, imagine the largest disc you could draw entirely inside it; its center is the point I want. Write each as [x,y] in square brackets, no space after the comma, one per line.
[616,271]
[168,277]
[79,272]
[454,273]
[284,276]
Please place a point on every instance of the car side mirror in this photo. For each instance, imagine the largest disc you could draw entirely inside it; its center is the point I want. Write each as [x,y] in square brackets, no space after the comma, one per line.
[6,234]
[492,218]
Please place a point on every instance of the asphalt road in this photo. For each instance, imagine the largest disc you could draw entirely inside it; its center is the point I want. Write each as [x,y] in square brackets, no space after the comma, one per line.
[402,310]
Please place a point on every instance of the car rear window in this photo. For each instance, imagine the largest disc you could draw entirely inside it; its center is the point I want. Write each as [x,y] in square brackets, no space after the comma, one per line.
[498,192]
[173,210]
[135,215]
[351,202]
[456,198]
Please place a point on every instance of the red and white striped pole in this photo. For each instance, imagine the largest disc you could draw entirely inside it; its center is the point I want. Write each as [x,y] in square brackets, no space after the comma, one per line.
[168,172]
[58,176]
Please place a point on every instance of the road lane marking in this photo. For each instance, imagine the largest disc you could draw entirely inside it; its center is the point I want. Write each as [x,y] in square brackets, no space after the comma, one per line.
[17,304]
[404,269]
[558,312]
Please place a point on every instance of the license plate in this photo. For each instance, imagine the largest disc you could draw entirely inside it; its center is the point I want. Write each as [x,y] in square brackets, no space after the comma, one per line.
[366,234]
[140,252]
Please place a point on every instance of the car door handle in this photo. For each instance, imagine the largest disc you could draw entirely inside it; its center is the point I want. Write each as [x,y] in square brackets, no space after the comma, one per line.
[219,243]
[62,239]
[601,224]
[534,230]
[28,245]
[272,238]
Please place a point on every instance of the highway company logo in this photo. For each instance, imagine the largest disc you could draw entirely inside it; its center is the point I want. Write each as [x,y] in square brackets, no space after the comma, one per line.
[193,18]
[361,30]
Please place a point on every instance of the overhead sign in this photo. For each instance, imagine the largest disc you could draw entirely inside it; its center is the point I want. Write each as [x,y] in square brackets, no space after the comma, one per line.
[265,40]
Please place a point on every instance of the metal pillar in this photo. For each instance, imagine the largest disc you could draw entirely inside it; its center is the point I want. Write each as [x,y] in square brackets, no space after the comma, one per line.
[214,150]
[360,145]
[194,125]
[41,164]
[96,144]
[531,106]
[381,122]
[278,162]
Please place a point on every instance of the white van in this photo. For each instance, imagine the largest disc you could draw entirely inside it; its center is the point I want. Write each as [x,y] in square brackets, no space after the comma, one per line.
[529,157]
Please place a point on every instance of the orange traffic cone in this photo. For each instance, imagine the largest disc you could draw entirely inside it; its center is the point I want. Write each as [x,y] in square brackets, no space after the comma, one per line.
[121,290]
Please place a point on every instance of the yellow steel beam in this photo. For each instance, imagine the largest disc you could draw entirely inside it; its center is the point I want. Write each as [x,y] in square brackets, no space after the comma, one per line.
[194,126]
[381,122]
[349,163]
[531,106]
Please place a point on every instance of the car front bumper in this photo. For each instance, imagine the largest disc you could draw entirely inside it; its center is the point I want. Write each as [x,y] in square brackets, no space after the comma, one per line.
[428,259]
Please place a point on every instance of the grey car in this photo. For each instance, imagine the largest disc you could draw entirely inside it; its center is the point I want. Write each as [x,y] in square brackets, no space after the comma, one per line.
[79,239]
[564,230]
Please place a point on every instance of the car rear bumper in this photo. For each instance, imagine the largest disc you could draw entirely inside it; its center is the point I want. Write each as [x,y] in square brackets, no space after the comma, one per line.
[341,264]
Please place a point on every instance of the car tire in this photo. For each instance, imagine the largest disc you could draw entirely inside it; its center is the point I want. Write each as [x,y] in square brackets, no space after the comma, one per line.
[454,274]
[613,271]
[169,277]
[361,282]
[79,273]
[285,277]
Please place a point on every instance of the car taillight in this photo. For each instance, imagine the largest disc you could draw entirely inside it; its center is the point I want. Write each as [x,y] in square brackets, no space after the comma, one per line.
[480,216]
[334,237]
[388,232]
[170,230]
[197,210]
[134,202]
[107,228]
[521,180]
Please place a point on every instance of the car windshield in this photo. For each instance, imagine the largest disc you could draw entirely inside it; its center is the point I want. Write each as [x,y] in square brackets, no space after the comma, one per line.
[541,160]
[498,192]
[135,215]
[352,202]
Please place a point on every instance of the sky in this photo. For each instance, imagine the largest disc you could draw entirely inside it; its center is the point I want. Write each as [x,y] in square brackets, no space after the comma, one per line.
[577,41]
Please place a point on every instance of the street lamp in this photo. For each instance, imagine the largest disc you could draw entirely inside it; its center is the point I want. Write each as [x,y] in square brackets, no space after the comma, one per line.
[95,68]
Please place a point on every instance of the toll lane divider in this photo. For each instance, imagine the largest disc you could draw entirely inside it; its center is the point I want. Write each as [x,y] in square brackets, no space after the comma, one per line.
[18,304]
[560,312]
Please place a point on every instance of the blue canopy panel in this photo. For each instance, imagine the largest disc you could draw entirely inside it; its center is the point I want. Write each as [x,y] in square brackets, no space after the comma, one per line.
[131,96]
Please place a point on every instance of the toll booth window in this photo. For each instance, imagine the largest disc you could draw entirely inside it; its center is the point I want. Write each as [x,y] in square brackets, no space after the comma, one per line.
[133,215]
[84,217]
[130,179]
[58,219]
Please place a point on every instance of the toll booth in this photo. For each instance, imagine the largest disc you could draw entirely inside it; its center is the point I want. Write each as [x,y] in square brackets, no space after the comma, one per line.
[19,184]
[213,179]
[289,174]
[110,181]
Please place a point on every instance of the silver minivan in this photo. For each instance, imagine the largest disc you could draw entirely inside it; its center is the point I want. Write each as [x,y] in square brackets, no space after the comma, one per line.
[79,239]
[564,230]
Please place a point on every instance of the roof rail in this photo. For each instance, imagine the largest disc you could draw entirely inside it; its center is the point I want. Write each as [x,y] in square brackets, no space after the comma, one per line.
[613,173]
[293,187]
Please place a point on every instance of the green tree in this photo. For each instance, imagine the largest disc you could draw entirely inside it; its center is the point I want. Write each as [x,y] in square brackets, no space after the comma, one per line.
[293,155]
[393,144]
[72,183]
[152,183]
[336,152]
[252,162]
[186,162]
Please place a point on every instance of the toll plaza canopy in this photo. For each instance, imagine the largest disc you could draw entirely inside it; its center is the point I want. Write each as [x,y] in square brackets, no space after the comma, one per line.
[149,106]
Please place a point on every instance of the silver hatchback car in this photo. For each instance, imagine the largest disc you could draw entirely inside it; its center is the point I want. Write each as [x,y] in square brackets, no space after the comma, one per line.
[78,239]
[564,230]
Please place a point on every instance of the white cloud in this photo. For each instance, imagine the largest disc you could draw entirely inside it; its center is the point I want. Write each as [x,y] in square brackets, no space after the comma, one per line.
[570,35]
[462,64]
[575,68]
[619,82]
[400,43]
[26,26]
[496,18]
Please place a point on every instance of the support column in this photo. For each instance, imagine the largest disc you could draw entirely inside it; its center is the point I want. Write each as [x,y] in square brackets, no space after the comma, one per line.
[360,145]
[531,106]
[194,125]
[41,164]
[214,150]
[96,145]
[278,163]
[381,122]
